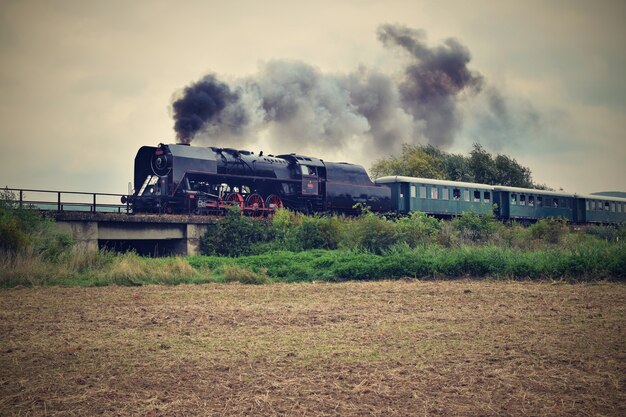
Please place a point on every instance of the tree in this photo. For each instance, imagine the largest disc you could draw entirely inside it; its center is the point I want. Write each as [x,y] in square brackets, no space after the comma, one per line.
[415,161]
[509,172]
[479,166]
[482,165]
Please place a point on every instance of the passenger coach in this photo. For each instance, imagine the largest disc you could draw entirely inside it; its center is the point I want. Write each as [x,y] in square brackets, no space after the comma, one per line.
[440,197]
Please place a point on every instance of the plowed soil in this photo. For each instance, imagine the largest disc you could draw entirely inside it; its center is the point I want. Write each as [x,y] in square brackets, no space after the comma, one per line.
[405,348]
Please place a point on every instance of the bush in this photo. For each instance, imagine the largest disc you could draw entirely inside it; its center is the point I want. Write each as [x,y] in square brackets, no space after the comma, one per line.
[608,233]
[23,228]
[234,273]
[475,227]
[550,230]
[235,235]
[373,233]
[418,229]
[315,233]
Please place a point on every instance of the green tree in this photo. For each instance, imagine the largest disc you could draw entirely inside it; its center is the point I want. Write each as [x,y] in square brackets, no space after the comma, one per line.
[510,172]
[415,161]
[479,166]
[482,165]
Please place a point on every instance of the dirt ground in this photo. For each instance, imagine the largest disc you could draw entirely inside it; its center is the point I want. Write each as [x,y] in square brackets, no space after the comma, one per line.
[442,348]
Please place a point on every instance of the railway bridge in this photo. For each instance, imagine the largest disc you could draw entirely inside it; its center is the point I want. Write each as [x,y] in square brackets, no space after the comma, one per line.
[98,220]
[148,234]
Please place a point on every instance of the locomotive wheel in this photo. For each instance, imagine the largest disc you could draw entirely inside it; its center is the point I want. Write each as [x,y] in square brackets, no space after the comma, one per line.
[234,199]
[273,203]
[254,205]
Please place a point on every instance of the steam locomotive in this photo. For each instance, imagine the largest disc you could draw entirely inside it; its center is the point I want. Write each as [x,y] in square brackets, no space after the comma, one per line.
[179,178]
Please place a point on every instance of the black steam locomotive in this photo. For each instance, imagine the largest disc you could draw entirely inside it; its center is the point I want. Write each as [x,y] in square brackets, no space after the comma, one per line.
[190,179]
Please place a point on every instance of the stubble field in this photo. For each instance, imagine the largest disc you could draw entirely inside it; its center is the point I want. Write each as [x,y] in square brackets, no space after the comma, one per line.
[464,348]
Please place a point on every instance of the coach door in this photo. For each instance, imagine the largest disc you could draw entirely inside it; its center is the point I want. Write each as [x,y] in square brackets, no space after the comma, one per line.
[310,181]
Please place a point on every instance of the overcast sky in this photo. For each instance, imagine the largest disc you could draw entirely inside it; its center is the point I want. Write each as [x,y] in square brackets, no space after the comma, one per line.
[84,84]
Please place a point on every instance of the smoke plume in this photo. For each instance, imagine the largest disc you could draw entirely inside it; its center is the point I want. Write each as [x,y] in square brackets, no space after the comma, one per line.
[293,101]
[433,81]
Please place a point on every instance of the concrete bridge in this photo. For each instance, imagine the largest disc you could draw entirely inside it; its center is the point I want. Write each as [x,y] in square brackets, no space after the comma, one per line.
[147,234]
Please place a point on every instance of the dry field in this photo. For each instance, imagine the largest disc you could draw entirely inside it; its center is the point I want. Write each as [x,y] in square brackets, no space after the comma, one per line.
[462,348]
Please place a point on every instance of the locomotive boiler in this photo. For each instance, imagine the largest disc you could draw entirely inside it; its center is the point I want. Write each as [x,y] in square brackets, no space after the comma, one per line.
[178,178]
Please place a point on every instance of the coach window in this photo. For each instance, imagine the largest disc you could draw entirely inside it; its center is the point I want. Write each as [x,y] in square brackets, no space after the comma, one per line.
[522,200]
[606,205]
[413,191]
[555,202]
[456,194]
[466,195]
[613,207]
[422,191]
[531,201]
[434,193]
[593,205]
[513,199]
[445,194]
[539,201]
[487,197]
[476,196]
[587,205]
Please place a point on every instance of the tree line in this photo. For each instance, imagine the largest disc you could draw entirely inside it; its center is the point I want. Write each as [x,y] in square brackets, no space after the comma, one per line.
[479,166]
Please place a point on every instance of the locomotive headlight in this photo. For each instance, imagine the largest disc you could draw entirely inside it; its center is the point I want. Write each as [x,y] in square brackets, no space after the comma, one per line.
[160,165]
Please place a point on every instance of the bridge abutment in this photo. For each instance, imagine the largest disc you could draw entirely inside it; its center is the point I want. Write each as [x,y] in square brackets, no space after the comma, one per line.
[147,234]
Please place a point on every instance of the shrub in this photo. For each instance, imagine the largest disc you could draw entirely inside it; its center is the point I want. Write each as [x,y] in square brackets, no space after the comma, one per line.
[418,229]
[235,235]
[608,233]
[23,228]
[550,230]
[315,233]
[373,233]
[475,227]
[234,273]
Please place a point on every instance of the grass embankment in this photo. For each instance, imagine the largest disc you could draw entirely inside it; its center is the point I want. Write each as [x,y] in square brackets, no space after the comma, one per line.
[390,348]
[586,263]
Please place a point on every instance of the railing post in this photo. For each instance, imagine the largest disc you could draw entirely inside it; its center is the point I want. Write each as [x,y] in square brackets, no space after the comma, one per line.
[94,202]
[59,208]
[21,198]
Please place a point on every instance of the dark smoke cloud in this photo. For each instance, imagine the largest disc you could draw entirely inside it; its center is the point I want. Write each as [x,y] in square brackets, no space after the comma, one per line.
[201,104]
[291,101]
[433,82]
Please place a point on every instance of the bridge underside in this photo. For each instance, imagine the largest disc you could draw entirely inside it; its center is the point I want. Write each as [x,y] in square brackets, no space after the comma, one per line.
[146,234]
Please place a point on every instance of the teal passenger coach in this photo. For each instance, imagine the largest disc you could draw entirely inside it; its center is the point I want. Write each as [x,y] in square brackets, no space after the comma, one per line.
[451,198]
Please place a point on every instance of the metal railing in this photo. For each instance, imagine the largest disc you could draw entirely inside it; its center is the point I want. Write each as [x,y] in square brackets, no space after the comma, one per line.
[52,200]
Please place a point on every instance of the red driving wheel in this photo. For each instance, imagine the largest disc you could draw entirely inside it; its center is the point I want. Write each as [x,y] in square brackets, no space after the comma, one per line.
[234,199]
[254,205]
[273,203]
